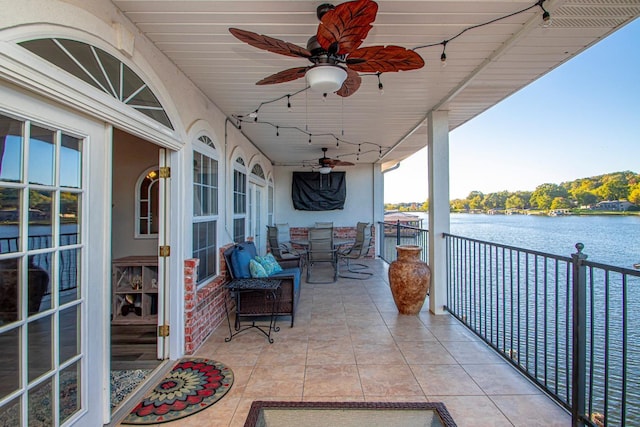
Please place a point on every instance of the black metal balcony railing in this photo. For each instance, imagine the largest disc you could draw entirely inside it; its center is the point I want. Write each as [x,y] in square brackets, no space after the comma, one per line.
[68,265]
[393,234]
[568,324]
[563,321]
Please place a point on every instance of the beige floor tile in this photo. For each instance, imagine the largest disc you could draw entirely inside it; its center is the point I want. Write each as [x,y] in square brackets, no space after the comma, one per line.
[500,379]
[445,380]
[278,380]
[452,333]
[332,381]
[532,411]
[378,354]
[425,353]
[472,352]
[330,352]
[411,333]
[388,380]
[473,411]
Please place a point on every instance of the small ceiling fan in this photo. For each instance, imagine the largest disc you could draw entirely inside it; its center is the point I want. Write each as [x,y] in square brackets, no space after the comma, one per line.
[326,164]
[335,50]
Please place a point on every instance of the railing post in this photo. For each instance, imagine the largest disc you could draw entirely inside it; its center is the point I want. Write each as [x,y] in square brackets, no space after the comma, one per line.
[398,233]
[578,379]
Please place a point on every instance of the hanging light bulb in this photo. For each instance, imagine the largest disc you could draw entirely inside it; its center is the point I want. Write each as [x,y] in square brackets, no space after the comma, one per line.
[309,139]
[380,86]
[546,16]
[337,142]
[277,131]
[289,108]
[443,57]
[359,148]
[380,152]
[324,97]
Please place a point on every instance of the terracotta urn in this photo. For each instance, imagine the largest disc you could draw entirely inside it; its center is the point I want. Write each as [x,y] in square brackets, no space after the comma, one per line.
[409,278]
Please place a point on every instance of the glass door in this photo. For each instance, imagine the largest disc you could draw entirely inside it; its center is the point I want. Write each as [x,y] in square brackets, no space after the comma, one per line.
[45,352]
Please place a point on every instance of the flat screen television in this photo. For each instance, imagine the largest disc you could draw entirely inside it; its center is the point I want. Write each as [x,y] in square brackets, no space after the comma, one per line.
[313,191]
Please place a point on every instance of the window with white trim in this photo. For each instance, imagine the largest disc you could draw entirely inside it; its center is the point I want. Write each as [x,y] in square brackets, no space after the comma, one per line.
[239,200]
[147,199]
[205,207]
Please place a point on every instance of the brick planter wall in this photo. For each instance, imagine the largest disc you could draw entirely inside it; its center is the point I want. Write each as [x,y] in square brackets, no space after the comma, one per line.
[203,307]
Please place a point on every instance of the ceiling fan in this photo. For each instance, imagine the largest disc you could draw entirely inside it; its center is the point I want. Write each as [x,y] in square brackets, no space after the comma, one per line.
[327,164]
[335,50]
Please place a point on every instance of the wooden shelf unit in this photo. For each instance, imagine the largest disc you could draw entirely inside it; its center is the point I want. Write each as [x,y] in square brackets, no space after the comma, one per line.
[134,289]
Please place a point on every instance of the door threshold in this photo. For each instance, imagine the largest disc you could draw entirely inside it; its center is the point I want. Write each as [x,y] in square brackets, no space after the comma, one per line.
[126,406]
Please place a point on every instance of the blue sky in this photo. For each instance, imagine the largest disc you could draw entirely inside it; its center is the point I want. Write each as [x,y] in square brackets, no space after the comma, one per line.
[580,120]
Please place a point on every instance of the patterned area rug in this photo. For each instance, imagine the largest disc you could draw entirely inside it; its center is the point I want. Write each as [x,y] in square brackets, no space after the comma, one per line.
[124,381]
[191,386]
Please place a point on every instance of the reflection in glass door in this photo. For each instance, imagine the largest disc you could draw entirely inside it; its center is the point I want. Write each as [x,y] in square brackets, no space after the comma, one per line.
[40,257]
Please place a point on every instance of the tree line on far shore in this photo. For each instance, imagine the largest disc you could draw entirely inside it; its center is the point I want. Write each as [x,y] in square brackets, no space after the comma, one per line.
[579,193]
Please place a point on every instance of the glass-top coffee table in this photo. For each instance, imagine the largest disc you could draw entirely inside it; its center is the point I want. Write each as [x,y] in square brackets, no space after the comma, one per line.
[348,414]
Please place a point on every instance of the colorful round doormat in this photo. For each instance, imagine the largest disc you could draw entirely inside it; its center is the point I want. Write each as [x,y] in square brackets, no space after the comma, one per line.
[191,386]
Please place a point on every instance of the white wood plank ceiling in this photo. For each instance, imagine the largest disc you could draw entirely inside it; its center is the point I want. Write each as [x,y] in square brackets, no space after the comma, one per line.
[484,65]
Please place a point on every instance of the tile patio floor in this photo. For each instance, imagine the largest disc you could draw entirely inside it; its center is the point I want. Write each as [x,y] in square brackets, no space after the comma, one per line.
[350,344]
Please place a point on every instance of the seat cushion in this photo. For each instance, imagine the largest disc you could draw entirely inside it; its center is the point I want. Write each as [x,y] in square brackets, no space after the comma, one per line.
[288,272]
[240,259]
[269,263]
[256,269]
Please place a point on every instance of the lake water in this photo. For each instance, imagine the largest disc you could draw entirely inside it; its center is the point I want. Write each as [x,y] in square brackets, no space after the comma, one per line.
[613,240]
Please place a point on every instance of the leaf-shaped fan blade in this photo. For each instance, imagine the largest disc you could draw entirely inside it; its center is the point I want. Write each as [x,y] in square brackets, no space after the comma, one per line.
[346,26]
[384,59]
[269,43]
[284,76]
[342,163]
[350,85]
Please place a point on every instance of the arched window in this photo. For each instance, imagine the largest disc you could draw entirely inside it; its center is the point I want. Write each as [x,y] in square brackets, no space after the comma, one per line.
[101,70]
[147,199]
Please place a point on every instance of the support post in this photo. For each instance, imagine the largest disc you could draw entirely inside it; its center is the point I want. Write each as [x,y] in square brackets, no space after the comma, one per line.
[439,222]
[578,377]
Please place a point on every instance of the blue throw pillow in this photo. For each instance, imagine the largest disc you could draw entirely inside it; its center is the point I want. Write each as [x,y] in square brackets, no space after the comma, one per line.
[240,263]
[256,269]
[270,264]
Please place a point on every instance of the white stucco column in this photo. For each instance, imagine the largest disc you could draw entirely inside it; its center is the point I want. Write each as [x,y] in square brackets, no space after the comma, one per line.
[438,143]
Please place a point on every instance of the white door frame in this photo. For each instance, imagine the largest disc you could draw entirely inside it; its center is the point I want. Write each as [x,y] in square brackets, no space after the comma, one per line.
[95,246]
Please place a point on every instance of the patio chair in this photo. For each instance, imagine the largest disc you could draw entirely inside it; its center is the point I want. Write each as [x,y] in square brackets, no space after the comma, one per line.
[324,224]
[359,249]
[283,251]
[321,251]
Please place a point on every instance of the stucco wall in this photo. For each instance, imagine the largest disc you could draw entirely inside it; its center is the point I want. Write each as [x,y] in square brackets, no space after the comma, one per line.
[358,204]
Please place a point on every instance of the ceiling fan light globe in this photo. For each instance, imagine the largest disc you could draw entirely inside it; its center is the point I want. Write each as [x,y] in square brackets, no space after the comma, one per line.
[326,78]
[324,170]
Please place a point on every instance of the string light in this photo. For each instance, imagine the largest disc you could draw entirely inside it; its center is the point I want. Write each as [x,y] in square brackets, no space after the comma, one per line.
[443,57]
[546,18]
